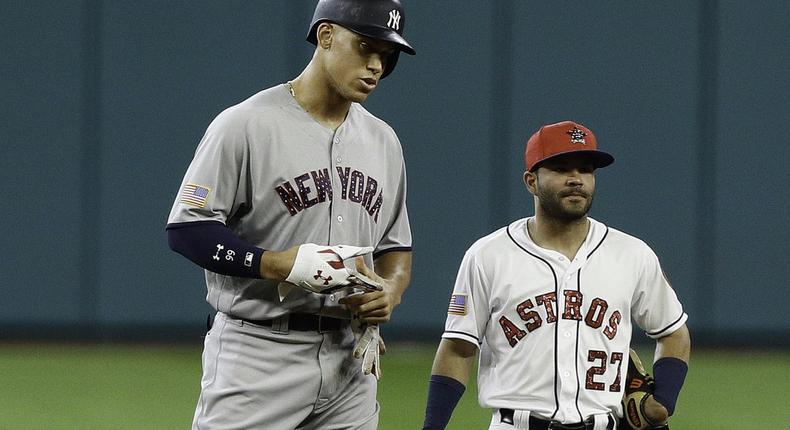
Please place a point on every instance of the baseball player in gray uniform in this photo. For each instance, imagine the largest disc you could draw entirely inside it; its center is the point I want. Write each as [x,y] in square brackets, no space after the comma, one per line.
[295,206]
[549,301]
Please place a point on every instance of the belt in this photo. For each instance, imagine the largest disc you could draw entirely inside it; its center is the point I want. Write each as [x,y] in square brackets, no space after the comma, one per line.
[304,322]
[535,423]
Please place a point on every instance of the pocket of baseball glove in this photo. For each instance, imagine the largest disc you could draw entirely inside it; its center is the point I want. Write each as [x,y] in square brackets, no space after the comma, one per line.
[639,386]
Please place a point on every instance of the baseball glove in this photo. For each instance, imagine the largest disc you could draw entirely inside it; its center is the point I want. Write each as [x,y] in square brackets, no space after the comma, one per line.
[639,386]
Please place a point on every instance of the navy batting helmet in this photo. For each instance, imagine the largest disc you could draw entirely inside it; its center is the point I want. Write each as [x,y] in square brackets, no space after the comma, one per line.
[377,19]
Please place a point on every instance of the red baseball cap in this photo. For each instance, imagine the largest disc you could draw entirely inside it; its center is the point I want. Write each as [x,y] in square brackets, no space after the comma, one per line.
[563,138]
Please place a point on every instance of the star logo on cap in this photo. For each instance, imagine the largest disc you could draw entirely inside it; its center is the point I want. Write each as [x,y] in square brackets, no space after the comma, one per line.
[577,135]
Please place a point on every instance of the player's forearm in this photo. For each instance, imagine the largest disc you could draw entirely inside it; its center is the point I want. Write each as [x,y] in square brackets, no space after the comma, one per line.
[449,377]
[277,265]
[395,267]
[676,344]
[454,359]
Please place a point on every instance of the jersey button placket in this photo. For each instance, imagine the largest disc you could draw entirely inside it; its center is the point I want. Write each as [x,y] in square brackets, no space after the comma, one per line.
[335,158]
[567,348]
[335,152]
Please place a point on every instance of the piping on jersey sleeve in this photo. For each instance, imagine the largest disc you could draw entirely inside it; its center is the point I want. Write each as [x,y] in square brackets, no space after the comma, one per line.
[671,328]
[453,334]
[379,253]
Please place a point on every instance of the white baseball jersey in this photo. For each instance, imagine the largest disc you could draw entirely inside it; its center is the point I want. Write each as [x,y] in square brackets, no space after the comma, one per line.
[554,334]
[278,178]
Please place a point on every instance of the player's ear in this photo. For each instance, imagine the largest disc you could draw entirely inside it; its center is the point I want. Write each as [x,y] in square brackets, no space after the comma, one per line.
[529,180]
[323,35]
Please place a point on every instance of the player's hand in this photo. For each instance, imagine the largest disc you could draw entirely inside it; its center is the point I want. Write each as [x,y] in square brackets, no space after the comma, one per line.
[655,411]
[369,347]
[372,307]
[640,409]
[321,269]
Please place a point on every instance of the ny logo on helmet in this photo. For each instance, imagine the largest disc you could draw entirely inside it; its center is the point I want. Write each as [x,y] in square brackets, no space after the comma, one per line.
[394,21]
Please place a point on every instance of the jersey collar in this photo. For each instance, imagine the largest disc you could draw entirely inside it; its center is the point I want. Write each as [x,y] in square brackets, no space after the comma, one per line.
[518,231]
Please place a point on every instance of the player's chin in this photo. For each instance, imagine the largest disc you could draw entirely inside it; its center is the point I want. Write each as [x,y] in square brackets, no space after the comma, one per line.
[573,214]
[360,92]
[358,96]
[578,206]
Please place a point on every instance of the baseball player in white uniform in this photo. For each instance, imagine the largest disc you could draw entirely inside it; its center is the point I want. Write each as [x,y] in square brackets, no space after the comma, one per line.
[550,301]
[295,206]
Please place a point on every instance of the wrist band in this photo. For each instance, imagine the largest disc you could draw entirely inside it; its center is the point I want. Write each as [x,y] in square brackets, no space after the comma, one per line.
[669,373]
[443,395]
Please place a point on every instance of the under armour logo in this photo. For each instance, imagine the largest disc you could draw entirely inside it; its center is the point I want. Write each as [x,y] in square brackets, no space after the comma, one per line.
[577,135]
[219,248]
[318,276]
[394,21]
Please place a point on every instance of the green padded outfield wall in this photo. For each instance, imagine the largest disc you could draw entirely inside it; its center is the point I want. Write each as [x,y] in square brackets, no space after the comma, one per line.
[103,103]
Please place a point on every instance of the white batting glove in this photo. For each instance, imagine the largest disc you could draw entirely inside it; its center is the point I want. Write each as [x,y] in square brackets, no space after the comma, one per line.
[320,269]
[369,347]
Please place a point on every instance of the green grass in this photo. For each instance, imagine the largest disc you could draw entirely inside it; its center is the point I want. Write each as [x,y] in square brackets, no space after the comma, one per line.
[155,387]
[97,387]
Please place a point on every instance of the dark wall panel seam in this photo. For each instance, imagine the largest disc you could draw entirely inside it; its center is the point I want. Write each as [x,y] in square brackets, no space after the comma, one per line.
[500,110]
[90,165]
[705,285]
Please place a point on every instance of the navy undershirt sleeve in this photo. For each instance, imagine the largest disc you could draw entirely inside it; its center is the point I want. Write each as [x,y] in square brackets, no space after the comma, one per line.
[213,246]
[443,395]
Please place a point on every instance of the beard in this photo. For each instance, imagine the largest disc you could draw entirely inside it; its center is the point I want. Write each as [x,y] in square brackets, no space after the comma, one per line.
[554,207]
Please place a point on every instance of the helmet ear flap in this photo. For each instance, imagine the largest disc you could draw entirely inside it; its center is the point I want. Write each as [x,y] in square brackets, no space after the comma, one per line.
[392,60]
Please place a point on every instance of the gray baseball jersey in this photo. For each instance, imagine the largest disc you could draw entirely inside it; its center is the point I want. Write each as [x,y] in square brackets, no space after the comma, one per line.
[554,334]
[277,178]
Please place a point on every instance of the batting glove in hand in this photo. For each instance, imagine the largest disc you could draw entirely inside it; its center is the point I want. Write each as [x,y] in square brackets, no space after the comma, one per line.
[639,387]
[320,269]
[369,347]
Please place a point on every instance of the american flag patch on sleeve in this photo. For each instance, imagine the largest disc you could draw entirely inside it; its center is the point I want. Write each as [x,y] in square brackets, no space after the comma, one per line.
[457,305]
[194,195]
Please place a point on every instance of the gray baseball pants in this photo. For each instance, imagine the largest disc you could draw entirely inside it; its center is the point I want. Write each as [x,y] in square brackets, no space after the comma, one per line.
[272,378]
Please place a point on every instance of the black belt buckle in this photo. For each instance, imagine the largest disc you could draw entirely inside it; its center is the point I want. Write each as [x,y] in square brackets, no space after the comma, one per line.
[314,322]
[506,416]
[589,423]
[556,425]
[321,328]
